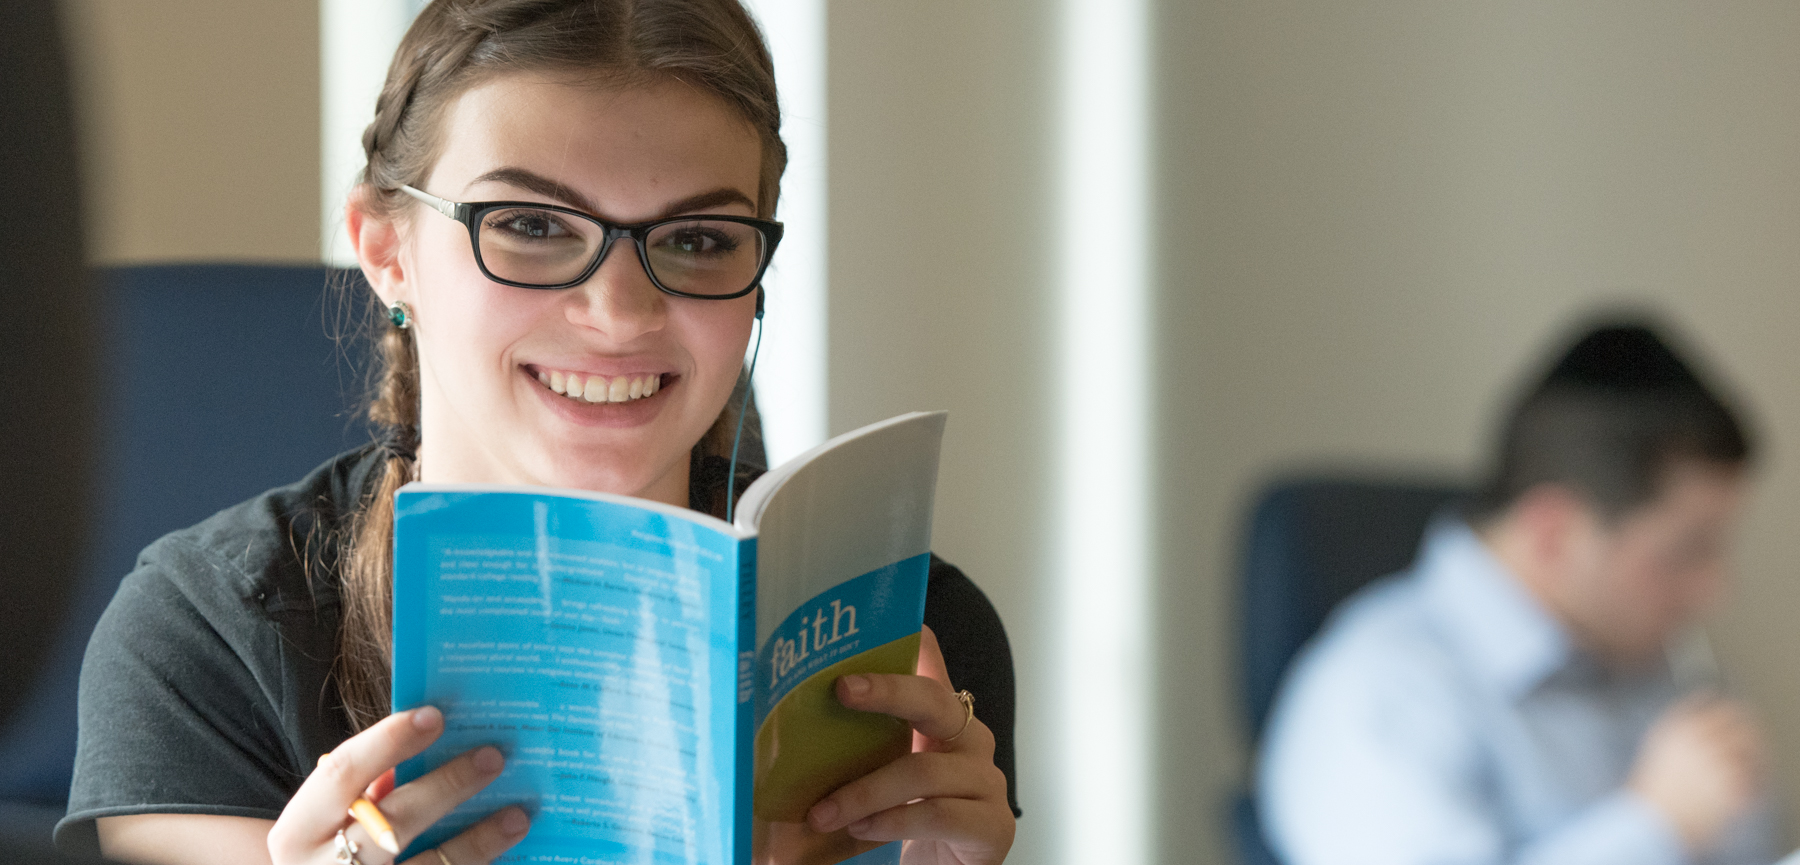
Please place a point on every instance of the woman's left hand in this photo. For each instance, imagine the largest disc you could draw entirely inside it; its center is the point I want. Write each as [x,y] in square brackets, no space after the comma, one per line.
[946,799]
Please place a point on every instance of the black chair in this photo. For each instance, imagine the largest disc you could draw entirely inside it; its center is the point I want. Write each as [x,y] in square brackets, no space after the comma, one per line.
[46,419]
[1310,543]
[46,317]
[216,382]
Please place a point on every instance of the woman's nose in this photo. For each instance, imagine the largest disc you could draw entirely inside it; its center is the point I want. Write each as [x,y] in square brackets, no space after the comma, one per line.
[619,299]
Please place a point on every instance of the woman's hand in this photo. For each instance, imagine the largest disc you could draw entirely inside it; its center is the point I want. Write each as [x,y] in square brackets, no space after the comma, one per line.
[307,830]
[947,799]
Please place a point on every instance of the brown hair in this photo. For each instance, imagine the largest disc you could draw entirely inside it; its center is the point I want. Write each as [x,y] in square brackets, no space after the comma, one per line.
[712,45]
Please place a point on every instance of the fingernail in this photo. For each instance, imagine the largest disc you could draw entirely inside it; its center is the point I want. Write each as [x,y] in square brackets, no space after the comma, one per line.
[823,813]
[860,826]
[856,685]
[489,760]
[427,718]
[514,822]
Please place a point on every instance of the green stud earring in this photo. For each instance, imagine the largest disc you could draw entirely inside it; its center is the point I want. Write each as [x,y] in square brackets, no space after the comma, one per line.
[400,315]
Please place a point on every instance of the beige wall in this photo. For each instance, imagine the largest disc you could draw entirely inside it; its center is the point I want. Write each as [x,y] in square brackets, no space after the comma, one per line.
[941,293]
[201,125]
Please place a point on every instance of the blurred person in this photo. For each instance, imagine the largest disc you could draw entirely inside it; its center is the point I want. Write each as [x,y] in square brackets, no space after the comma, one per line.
[1510,698]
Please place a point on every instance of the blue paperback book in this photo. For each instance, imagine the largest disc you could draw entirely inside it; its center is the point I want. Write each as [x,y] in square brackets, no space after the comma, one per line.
[661,681]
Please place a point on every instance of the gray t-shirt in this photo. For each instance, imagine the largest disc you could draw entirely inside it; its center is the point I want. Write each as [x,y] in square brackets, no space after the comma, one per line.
[206,688]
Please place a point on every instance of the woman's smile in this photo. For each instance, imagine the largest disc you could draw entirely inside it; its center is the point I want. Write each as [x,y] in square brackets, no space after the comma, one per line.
[589,399]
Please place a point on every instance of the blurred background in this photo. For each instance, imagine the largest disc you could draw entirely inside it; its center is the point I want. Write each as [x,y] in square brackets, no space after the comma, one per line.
[1358,226]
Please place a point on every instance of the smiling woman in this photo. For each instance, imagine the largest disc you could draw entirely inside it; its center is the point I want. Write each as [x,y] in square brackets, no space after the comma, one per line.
[608,170]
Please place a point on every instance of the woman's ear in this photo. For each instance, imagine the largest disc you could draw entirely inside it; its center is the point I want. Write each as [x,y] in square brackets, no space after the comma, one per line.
[376,239]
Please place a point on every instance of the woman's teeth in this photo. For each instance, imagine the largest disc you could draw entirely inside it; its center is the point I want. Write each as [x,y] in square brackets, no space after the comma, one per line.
[599,388]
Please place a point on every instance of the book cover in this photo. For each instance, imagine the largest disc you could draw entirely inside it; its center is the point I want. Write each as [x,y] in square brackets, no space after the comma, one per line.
[662,681]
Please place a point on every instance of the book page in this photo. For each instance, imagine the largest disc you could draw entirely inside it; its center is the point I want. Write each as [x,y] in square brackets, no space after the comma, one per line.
[596,643]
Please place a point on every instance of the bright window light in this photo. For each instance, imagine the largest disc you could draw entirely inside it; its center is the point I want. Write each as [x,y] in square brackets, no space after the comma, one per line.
[791,377]
[357,39]
[1103,625]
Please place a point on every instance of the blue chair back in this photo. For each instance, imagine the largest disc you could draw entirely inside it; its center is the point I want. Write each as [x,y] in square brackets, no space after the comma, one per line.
[1310,543]
[217,382]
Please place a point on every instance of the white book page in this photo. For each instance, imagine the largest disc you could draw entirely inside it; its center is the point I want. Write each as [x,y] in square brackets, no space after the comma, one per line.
[858,502]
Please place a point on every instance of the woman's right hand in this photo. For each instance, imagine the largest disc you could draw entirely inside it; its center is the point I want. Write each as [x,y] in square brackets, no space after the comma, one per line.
[306,833]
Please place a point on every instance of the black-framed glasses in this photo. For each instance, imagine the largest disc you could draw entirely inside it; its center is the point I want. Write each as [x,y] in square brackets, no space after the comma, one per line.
[532,245]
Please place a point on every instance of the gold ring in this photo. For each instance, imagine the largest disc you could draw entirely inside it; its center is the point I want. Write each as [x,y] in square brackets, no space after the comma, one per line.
[441,857]
[968,701]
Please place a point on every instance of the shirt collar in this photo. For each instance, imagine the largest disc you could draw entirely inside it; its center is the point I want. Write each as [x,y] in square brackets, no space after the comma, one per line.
[1486,613]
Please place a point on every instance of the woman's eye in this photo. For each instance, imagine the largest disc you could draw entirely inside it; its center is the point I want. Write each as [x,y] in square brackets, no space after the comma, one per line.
[533,224]
[699,240]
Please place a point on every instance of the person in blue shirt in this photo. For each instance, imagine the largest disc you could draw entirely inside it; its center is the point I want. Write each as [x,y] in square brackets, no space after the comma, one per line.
[1511,698]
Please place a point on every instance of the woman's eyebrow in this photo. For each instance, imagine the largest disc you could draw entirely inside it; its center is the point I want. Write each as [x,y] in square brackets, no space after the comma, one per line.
[534,182]
[716,198]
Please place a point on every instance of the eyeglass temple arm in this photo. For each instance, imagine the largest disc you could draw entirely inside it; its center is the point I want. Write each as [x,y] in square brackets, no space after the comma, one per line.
[447,208]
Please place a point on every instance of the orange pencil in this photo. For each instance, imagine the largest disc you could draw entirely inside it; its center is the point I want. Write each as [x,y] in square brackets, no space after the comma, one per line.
[373,821]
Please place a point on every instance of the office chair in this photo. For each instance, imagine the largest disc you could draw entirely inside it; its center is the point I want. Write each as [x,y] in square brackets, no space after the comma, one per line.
[1309,544]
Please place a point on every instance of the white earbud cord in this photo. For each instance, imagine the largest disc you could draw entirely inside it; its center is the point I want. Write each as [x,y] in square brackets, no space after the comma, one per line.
[738,438]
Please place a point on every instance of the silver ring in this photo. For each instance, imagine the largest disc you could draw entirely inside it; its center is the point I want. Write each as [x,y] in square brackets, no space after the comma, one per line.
[441,857]
[347,850]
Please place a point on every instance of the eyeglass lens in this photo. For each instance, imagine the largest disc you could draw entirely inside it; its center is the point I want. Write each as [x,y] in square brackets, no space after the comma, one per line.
[547,247]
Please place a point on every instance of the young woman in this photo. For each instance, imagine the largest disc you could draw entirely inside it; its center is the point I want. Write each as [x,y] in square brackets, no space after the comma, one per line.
[585,331]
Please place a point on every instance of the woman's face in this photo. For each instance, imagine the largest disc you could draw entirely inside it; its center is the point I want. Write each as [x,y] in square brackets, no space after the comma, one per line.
[625,155]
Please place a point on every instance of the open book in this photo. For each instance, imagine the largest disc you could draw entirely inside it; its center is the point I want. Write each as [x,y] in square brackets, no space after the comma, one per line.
[662,682]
